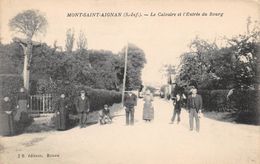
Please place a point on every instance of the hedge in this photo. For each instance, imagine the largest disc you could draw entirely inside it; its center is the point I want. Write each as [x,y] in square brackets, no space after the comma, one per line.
[246,100]
[243,103]
[242,100]
[214,100]
[98,97]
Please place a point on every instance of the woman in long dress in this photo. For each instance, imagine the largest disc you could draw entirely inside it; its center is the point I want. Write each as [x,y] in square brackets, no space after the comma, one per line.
[6,118]
[22,104]
[148,109]
[61,113]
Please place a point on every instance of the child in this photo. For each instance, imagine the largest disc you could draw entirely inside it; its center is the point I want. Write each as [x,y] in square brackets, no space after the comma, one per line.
[105,117]
[177,107]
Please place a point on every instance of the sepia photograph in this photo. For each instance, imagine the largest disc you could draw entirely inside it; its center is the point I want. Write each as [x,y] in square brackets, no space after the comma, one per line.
[129,82]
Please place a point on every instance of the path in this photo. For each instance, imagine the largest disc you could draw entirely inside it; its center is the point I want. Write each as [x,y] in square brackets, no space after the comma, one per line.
[157,142]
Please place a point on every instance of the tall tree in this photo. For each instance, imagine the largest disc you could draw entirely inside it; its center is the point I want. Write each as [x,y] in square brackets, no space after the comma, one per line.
[82,41]
[70,38]
[196,64]
[245,53]
[170,71]
[29,24]
[234,65]
[135,63]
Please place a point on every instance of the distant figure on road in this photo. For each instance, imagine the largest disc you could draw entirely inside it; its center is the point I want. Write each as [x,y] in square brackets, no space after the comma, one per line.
[148,110]
[61,113]
[105,116]
[82,104]
[140,91]
[130,101]
[177,102]
[194,105]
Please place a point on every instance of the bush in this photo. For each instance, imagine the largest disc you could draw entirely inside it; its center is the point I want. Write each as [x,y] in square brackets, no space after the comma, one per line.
[9,86]
[244,103]
[246,100]
[214,100]
[98,97]
[242,100]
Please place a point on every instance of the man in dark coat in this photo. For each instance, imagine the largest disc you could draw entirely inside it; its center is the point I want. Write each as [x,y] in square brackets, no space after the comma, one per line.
[82,104]
[194,105]
[61,113]
[130,101]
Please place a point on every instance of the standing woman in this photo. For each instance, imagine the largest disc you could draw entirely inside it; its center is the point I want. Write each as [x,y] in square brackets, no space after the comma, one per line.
[6,118]
[22,104]
[61,113]
[148,110]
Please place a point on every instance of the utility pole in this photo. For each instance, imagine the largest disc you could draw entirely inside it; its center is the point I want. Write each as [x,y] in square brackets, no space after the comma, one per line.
[124,80]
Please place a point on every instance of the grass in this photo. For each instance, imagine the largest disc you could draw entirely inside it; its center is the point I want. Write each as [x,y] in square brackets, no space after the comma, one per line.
[242,117]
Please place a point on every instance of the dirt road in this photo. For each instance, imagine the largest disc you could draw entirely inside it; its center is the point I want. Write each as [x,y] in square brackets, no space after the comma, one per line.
[152,143]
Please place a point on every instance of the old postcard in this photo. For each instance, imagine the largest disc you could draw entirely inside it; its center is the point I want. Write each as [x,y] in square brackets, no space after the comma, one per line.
[129,82]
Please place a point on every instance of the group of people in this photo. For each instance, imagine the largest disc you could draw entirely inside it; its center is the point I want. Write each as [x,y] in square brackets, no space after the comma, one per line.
[10,116]
[82,104]
[194,107]
[130,101]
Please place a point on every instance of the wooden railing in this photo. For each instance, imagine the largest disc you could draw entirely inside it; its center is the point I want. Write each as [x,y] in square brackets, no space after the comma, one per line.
[41,104]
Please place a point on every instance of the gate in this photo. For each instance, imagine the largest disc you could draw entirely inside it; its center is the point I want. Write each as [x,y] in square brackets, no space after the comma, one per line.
[41,104]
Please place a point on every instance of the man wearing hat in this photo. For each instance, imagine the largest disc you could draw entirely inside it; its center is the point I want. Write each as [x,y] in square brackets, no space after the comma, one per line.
[82,104]
[130,101]
[194,105]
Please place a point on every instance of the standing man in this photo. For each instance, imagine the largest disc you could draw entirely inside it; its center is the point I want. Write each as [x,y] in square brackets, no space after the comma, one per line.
[194,105]
[82,104]
[130,101]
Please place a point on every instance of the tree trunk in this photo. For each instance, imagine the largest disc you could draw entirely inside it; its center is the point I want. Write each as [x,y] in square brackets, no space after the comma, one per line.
[26,65]
[26,72]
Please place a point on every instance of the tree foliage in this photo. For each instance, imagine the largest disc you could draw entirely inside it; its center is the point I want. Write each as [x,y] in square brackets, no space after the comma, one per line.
[135,64]
[211,67]
[168,71]
[70,38]
[59,69]
[82,41]
[29,23]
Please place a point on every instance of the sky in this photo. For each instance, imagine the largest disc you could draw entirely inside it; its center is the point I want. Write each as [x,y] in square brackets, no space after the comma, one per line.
[163,38]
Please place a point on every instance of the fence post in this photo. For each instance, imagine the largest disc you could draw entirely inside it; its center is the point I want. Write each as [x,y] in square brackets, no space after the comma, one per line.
[43,103]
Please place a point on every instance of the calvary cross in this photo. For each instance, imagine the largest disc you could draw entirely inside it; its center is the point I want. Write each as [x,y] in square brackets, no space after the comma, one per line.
[27,46]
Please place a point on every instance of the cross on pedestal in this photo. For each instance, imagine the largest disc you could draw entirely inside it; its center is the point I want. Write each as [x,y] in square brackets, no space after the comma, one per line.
[27,45]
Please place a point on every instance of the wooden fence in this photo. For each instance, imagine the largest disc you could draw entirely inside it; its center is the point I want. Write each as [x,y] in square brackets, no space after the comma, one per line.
[41,104]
